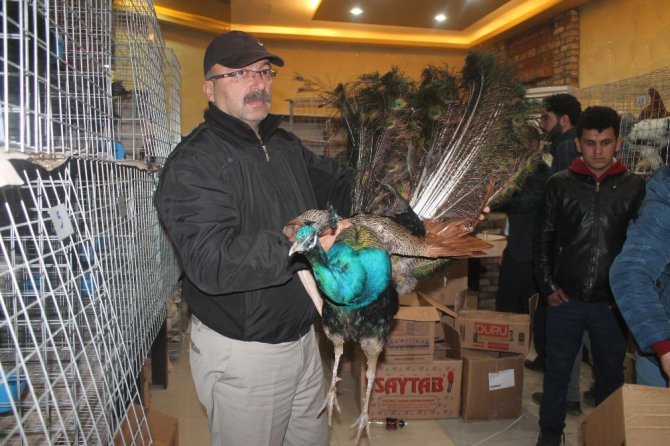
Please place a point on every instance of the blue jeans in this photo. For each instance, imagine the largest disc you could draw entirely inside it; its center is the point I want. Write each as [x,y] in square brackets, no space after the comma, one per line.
[566,325]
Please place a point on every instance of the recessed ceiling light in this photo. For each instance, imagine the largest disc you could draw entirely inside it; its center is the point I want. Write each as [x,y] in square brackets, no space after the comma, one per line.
[440,18]
[356,11]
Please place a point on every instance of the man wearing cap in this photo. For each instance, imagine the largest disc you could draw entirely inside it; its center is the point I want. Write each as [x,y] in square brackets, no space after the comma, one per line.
[224,195]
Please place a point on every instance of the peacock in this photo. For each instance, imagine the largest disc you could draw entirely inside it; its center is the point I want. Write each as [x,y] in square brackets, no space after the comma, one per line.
[362,301]
[416,196]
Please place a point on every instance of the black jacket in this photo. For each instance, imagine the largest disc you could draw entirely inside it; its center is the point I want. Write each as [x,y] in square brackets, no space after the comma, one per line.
[564,150]
[521,212]
[581,228]
[224,197]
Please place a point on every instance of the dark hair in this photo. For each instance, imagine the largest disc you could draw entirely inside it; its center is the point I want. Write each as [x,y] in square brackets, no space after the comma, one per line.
[598,118]
[563,104]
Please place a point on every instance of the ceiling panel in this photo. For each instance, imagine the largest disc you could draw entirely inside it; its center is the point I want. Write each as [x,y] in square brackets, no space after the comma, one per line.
[384,22]
[411,13]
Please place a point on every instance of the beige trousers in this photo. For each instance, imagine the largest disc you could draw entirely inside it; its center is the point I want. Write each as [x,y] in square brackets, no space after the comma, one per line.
[259,394]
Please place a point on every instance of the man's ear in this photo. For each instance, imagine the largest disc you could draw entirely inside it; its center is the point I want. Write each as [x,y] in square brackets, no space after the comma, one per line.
[208,90]
[619,144]
[565,123]
[579,149]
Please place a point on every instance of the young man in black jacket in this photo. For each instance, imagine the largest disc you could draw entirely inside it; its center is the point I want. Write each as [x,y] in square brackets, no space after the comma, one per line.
[560,113]
[580,229]
[225,194]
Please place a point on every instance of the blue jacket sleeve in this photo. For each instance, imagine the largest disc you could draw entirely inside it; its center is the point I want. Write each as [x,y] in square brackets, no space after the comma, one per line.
[640,275]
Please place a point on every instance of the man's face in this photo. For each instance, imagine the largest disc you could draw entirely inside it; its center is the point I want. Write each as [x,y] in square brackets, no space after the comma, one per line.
[598,149]
[548,122]
[247,98]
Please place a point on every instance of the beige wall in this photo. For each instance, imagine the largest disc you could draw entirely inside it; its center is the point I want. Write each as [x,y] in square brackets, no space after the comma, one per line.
[329,63]
[618,39]
[622,38]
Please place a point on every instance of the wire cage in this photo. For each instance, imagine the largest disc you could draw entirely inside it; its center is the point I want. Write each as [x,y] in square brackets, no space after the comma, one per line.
[55,77]
[318,127]
[141,121]
[645,123]
[173,87]
[73,336]
[86,271]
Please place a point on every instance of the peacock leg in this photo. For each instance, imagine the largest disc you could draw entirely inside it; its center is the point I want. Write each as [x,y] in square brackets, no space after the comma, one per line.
[331,395]
[372,347]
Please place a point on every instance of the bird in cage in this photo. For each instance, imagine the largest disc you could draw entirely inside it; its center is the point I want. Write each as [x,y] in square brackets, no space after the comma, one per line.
[416,197]
[655,108]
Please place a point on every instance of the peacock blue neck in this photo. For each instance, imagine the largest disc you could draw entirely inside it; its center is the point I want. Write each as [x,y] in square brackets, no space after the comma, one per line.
[351,278]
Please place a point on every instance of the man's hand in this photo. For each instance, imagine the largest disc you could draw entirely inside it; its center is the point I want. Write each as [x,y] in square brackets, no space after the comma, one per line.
[484,215]
[327,237]
[557,298]
[665,364]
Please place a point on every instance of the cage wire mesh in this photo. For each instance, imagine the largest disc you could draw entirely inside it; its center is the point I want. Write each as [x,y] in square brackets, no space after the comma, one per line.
[85,269]
[645,123]
[69,350]
[172,87]
[318,127]
[54,77]
[141,120]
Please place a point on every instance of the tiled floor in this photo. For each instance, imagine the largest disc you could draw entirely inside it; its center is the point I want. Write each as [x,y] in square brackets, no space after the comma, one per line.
[180,400]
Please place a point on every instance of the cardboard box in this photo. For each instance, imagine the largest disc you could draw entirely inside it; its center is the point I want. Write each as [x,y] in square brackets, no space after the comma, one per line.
[134,428]
[446,285]
[144,384]
[494,330]
[466,300]
[492,385]
[447,315]
[163,429]
[414,391]
[633,415]
[412,336]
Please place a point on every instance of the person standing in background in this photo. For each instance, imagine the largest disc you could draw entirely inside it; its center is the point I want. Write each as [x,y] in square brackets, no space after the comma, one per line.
[558,119]
[581,228]
[516,282]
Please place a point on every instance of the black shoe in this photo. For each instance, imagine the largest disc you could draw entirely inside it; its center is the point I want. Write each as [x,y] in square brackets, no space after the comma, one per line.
[550,437]
[590,397]
[536,364]
[537,397]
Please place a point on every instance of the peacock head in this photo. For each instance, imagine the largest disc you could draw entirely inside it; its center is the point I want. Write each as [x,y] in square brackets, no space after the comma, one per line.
[306,239]
[320,219]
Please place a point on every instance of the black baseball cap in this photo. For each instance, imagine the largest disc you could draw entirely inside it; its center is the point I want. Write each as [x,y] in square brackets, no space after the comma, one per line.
[237,49]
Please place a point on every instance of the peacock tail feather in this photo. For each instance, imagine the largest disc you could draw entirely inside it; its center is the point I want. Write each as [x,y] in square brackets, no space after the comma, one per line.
[429,155]
[518,179]
[478,144]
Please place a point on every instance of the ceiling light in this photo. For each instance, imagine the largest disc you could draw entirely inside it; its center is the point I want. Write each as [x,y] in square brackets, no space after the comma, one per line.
[356,10]
[440,18]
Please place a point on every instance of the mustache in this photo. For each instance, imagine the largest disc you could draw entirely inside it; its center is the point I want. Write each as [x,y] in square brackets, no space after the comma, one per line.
[258,95]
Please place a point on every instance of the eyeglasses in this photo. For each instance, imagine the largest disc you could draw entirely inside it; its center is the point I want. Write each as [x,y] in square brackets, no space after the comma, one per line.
[266,73]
